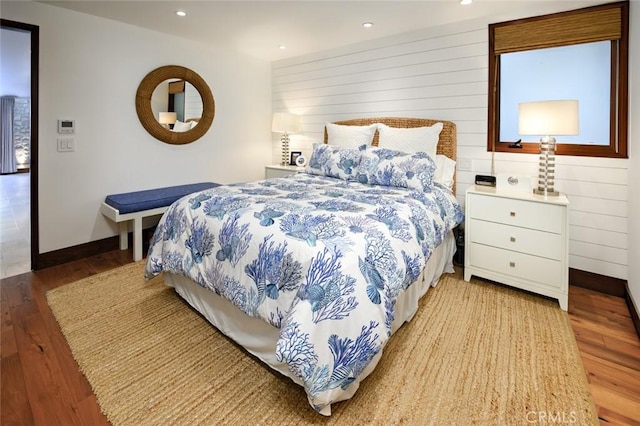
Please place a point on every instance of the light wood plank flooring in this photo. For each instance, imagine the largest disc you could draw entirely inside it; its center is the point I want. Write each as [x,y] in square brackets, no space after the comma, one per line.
[15,224]
[41,384]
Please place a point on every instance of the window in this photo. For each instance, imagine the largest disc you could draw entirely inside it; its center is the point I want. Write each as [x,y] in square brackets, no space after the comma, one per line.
[580,54]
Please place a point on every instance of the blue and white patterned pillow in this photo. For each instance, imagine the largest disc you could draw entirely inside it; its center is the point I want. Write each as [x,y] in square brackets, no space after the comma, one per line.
[333,161]
[387,167]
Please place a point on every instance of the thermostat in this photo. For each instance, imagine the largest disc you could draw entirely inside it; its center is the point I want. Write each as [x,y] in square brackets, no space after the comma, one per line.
[66,126]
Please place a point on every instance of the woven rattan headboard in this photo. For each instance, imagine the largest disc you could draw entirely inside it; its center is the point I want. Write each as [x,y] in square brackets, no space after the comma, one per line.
[448,136]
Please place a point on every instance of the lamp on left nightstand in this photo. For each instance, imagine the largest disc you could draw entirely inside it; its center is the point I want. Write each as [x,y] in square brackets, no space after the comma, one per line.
[167,118]
[285,123]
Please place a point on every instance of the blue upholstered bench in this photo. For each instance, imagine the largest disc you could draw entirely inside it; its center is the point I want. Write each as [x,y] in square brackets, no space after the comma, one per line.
[121,208]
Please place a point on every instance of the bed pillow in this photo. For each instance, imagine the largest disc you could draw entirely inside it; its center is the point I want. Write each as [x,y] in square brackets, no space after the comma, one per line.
[179,126]
[387,167]
[412,139]
[445,171]
[334,161]
[351,137]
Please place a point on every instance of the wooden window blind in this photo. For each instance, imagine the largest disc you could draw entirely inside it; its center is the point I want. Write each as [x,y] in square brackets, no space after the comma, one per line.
[559,30]
[176,87]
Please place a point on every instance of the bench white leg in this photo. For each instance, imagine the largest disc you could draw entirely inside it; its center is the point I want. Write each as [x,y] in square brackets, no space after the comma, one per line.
[124,235]
[137,239]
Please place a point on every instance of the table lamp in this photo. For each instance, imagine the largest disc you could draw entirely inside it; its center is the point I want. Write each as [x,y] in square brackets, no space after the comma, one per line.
[167,118]
[547,118]
[285,123]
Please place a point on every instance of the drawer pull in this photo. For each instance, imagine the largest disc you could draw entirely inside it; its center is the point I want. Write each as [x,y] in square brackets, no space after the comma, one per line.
[512,239]
[512,214]
[512,264]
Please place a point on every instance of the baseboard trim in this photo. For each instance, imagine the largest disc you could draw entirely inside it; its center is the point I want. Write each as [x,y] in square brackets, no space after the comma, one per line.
[607,285]
[632,310]
[92,248]
[596,282]
[69,254]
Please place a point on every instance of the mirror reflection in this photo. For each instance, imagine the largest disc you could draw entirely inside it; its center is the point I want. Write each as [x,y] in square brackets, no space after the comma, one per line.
[177,105]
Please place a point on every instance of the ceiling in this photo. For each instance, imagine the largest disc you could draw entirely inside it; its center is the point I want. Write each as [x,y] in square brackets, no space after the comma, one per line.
[257,28]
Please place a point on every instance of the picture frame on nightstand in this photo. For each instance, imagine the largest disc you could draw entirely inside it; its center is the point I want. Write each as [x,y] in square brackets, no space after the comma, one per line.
[294,157]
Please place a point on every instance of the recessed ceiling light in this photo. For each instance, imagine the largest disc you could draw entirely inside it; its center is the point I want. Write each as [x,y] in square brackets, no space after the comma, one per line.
[282,47]
[368,24]
[181,13]
[465,2]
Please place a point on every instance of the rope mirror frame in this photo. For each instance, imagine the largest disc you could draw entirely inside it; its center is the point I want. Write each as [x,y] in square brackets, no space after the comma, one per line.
[149,121]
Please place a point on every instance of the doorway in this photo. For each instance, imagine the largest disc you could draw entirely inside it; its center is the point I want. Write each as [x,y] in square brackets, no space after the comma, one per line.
[19,173]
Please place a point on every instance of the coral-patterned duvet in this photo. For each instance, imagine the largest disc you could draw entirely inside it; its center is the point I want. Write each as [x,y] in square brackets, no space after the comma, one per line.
[322,259]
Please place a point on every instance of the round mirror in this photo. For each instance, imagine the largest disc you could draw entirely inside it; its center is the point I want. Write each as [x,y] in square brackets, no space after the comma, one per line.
[165,125]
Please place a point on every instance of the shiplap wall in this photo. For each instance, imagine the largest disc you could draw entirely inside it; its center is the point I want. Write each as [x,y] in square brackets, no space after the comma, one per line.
[441,72]
[192,102]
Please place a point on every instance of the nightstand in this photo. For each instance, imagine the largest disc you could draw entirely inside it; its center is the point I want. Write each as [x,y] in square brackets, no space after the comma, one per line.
[277,170]
[518,239]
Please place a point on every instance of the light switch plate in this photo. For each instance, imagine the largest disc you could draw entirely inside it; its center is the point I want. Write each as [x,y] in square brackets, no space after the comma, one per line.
[66,145]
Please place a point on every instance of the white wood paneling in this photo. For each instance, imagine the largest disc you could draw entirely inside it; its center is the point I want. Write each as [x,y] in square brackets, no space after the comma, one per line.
[634,154]
[597,266]
[192,102]
[442,73]
[598,221]
[600,237]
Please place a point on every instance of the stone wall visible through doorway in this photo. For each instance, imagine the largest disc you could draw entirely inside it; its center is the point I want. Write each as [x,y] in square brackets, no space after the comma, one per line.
[22,132]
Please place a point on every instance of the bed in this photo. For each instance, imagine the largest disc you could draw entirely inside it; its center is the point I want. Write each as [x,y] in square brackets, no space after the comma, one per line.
[314,272]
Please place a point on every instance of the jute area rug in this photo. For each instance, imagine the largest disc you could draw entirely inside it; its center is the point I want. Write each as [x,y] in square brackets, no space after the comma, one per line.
[475,353]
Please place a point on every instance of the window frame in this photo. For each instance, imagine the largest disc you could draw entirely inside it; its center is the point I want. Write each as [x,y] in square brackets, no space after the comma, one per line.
[619,99]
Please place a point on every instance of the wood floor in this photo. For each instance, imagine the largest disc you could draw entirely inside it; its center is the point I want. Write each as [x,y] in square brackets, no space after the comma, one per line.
[41,384]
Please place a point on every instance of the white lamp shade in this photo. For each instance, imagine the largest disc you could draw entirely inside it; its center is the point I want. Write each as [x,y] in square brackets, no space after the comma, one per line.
[548,118]
[167,117]
[284,122]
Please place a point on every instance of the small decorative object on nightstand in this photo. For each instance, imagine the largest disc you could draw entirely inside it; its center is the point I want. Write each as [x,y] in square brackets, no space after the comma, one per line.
[294,157]
[301,161]
[518,239]
[277,170]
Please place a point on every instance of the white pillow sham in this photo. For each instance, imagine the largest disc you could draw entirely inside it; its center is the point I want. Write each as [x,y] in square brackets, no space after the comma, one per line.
[445,171]
[350,137]
[412,139]
[180,126]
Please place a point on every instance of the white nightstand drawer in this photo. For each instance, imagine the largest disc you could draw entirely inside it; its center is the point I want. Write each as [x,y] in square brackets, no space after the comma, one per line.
[532,268]
[527,214]
[523,240]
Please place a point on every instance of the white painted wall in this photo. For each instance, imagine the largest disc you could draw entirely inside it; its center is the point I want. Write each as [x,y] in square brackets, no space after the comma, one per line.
[634,155]
[441,72]
[90,69]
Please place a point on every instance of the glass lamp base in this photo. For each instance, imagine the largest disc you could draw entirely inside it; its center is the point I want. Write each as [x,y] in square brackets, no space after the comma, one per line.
[545,192]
